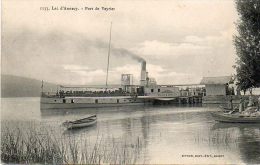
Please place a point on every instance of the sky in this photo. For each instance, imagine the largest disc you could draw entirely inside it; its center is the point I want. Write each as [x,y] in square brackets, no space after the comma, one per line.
[181,40]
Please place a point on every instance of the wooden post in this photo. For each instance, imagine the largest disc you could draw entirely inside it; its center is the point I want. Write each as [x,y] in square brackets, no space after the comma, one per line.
[179,99]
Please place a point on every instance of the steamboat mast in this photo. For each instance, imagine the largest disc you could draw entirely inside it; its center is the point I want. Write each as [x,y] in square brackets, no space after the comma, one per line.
[108,56]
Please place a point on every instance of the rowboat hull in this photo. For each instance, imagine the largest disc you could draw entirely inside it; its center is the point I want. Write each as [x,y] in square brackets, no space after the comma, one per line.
[81,125]
[86,122]
[234,118]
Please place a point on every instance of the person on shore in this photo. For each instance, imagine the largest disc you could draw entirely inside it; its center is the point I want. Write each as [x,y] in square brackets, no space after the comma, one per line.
[258,101]
[251,101]
[230,103]
[241,105]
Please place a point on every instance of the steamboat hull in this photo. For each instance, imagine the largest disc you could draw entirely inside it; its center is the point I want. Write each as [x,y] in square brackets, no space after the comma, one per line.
[85,105]
[70,103]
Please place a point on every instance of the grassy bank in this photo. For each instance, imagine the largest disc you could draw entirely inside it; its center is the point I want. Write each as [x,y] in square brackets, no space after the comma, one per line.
[34,143]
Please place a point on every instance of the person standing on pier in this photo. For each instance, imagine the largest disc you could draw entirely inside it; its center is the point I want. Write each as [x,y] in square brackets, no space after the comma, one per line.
[230,102]
[251,101]
[258,101]
[241,105]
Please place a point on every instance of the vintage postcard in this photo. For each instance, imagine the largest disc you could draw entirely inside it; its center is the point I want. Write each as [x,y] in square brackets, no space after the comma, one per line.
[130,82]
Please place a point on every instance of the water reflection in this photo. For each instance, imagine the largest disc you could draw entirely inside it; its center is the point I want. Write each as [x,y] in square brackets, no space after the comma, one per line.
[46,113]
[164,132]
[249,145]
[246,136]
[151,125]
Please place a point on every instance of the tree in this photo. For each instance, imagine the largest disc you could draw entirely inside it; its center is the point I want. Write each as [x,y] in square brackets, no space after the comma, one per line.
[247,44]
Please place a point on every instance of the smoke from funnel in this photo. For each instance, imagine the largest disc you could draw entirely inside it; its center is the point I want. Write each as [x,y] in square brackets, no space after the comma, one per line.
[126,53]
[118,51]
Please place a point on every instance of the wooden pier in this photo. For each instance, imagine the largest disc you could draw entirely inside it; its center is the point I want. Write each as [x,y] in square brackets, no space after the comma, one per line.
[190,100]
[173,100]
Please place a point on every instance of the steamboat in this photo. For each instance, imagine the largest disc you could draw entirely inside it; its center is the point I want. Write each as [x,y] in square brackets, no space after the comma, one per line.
[125,94]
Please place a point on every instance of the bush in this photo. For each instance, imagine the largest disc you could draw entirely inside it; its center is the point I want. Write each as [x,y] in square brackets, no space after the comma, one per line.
[33,143]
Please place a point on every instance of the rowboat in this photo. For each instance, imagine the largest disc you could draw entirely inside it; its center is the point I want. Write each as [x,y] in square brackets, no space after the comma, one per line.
[85,122]
[227,109]
[221,125]
[235,117]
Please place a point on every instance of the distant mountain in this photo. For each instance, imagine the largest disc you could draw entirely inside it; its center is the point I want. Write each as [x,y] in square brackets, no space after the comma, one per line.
[15,86]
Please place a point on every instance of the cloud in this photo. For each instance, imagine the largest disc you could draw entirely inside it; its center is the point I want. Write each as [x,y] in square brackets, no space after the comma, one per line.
[186,38]
[54,56]
[223,39]
[178,78]
[58,57]
[189,45]
[89,77]
[168,76]
[75,67]
[159,49]
[85,75]
[162,75]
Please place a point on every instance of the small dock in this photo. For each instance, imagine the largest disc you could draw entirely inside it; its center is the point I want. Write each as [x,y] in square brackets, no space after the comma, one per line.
[173,100]
[190,100]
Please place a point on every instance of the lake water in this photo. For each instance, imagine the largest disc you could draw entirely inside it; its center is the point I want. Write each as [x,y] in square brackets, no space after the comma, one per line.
[170,134]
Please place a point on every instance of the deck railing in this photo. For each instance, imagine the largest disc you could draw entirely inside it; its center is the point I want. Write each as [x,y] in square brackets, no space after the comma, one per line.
[97,94]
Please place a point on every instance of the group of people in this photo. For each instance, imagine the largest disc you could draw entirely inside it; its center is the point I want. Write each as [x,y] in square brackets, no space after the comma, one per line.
[249,107]
[246,104]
